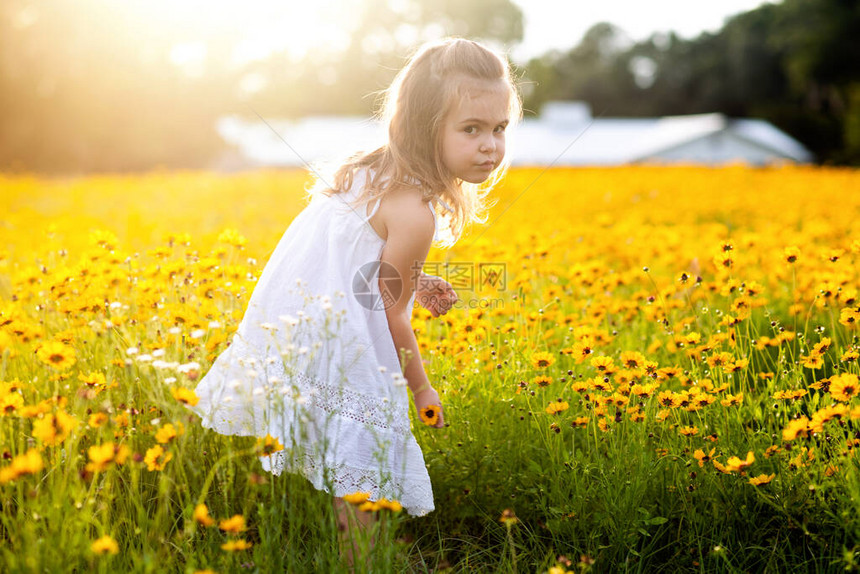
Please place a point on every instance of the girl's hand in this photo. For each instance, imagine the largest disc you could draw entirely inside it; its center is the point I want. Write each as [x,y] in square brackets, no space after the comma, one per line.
[435,294]
[429,407]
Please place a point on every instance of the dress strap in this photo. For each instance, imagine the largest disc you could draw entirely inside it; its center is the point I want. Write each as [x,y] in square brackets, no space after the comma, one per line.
[373,211]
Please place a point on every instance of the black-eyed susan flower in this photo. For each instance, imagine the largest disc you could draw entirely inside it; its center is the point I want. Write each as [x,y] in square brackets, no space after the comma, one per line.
[812,361]
[53,429]
[166,433]
[234,525]
[429,415]
[24,464]
[103,455]
[541,380]
[10,403]
[702,457]
[844,387]
[735,463]
[632,359]
[822,346]
[688,430]
[356,498]
[105,545]
[850,355]
[791,254]
[390,505]
[542,360]
[185,396]
[556,407]
[849,317]
[795,428]
[268,445]
[667,399]
[156,458]
[761,479]
[603,364]
[96,420]
[56,355]
[236,545]
[201,515]
[579,422]
[825,415]
[732,400]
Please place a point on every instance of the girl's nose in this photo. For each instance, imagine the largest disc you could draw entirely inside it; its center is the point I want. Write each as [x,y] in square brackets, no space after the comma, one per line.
[488,145]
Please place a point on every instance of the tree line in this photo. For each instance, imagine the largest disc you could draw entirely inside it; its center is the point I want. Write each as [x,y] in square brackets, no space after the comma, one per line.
[84,87]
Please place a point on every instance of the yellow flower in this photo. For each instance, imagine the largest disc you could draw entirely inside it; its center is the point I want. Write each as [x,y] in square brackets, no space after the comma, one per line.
[761,479]
[429,415]
[101,456]
[28,463]
[812,361]
[632,359]
[579,422]
[385,504]
[156,458]
[732,400]
[849,317]
[201,515]
[688,430]
[234,525]
[794,428]
[186,396]
[700,456]
[165,434]
[56,355]
[97,419]
[557,407]
[667,399]
[10,403]
[53,429]
[603,364]
[734,463]
[542,360]
[844,387]
[850,355]
[105,545]
[268,445]
[93,379]
[541,380]
[356,498]
[236,545]
[791,254]
[827,414]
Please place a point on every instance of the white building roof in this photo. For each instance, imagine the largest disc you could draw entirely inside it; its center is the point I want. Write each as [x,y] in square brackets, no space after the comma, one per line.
[564,134]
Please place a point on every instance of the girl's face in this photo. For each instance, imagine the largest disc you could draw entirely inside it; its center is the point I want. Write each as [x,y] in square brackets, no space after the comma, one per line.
[473,133]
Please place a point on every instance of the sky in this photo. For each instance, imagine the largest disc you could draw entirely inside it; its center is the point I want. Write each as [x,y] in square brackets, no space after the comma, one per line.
[561,23]
[293,27]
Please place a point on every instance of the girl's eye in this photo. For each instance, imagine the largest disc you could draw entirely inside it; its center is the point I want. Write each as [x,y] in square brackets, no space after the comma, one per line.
[500,128]
[469,128]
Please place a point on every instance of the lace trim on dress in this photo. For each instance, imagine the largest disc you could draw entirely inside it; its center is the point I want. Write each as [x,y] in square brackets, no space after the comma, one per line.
[342,401]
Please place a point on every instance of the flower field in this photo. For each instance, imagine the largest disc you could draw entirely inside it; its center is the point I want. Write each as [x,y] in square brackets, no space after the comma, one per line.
[659,374]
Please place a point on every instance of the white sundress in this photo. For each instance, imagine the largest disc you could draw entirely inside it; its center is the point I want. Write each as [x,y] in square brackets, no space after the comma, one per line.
[313,362]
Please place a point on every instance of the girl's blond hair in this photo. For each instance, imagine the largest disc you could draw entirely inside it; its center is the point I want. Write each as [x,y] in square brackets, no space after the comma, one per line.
[419,99]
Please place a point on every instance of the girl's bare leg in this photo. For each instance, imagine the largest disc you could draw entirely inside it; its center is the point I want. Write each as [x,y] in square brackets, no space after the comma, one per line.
[347,527]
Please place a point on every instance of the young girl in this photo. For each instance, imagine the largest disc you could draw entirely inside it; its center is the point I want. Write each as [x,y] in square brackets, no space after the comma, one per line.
[323,354]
